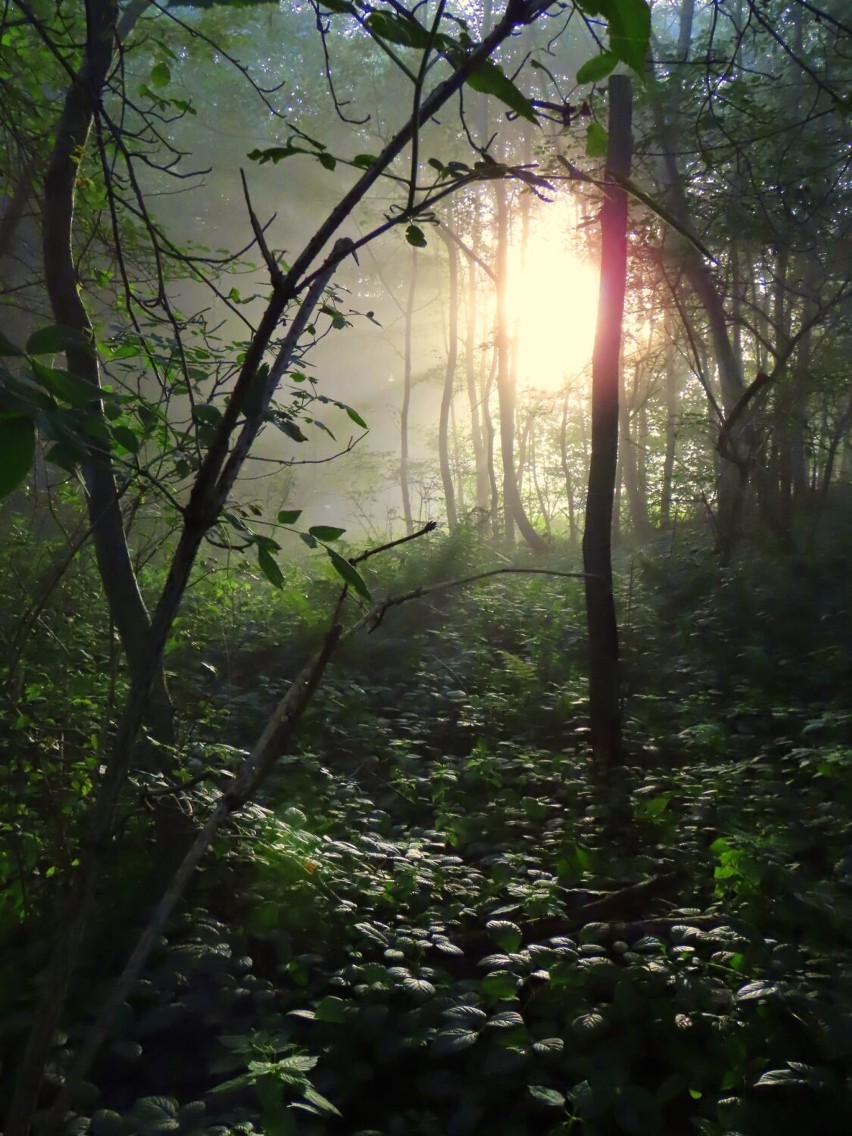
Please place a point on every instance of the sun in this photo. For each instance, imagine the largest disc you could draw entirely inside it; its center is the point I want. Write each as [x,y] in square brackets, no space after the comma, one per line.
[552,301]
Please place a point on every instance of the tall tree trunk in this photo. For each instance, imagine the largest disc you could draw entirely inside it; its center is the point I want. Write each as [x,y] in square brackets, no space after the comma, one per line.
[540,497]
[566,469]
[127,608]
[684,39]
[604,679]
[672,420]
[449,382]
[404,479]
[513,509]
[630,479]
[490,439]
[474,396]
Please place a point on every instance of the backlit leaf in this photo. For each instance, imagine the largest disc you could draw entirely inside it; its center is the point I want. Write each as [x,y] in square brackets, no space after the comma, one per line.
[490,79]
[630,32]
[160,75]
[415,236]
[347,572]
[597,140]
[597,68]
[51,340]
[269,566]
[326,532]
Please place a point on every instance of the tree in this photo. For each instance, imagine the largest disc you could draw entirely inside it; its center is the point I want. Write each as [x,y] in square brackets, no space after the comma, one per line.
[604,687]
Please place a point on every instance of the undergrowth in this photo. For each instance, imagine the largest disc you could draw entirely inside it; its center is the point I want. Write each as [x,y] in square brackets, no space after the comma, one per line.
[436,920]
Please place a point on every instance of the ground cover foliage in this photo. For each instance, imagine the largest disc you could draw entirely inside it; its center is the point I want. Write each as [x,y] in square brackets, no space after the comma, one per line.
[436,920]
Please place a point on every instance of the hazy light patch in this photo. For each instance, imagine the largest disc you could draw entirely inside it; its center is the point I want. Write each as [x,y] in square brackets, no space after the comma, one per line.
[553,301]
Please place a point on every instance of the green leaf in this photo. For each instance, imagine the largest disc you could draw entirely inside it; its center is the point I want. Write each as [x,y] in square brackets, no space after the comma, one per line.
[472,1015]
[320,1103]
[597,68]
[17,449]
[289,516]
[782,1077]
[490,79]
[597,140]
[363,161]
[630,32]
[160,75]
[55,338]
[420,987]
[454,1040]
[506,1019]
[126,438]
[415,236]
[153,1116]
[326,532]
[105,1122]
[327,161]
[347,573]
[341,6]
[549,1097]
[209,415]
[506,935]
[330,1009]
[269,566]
[356,417]
[64,386]
[758,990]
[588,1024]
[7,347]
[291,429]
[395,29]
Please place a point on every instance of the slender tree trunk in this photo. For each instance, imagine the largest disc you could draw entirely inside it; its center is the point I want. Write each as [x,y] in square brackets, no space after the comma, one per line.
[630,475]
[566,470]
[604,682]
[490,439]
[449,382]
[474,396]
[127,608]
[543,508]
[684,39]
[404,473]
[672,419]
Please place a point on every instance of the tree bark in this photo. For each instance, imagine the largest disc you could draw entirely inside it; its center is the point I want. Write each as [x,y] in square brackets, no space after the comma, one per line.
[604,679]
[115,566]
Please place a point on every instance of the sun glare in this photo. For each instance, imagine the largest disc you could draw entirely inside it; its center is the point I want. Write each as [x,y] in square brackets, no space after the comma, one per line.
[552,299]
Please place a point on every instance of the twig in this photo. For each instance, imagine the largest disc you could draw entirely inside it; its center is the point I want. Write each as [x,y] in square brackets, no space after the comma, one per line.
[275,273]
[378,613]
[430,526]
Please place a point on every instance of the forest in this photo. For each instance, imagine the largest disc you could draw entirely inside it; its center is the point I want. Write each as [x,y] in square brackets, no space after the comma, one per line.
[425,590]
